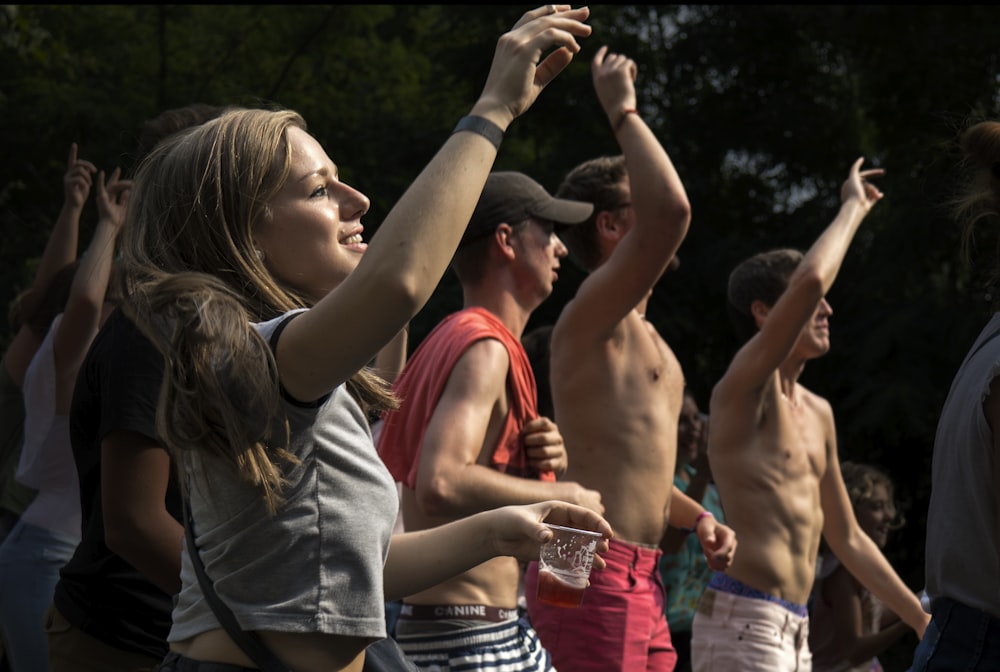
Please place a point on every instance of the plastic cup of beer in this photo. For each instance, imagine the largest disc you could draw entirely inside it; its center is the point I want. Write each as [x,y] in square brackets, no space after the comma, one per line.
[564,564]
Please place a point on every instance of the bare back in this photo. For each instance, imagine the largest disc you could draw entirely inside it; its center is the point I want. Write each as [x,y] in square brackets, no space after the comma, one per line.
[768,458]
[617,403]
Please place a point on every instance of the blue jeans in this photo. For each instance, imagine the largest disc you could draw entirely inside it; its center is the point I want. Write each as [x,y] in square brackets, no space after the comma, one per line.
[30,560]
[958,638]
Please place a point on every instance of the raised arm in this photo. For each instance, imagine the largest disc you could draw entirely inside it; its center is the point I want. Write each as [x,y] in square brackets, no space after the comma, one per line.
[82,314]
[758,359]
[451,480]
[61,247]
[413,246]
[60,251]
[658,202]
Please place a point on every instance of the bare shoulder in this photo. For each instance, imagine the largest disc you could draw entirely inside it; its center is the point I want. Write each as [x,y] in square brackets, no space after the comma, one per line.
[818,405]
[571,333]
[481,370]
[601,303]
[739,404]
[485,356]
[734,418]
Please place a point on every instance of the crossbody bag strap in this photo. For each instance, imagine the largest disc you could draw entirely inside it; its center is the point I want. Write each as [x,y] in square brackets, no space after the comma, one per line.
[249,642]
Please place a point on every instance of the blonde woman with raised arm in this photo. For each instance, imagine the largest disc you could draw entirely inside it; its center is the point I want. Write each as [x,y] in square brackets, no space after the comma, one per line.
[249,272]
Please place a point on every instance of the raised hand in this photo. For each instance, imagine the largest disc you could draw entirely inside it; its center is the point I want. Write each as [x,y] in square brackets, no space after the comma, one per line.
[521,68]
[614,80]
[112,199]
[858,187]
[78,179]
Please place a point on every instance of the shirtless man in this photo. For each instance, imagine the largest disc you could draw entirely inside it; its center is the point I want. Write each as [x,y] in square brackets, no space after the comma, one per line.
[773,453]
[468,437]
[618,389]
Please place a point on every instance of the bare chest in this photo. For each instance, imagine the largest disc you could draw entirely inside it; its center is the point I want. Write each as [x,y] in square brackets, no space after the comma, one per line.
[791,442]
[644,361]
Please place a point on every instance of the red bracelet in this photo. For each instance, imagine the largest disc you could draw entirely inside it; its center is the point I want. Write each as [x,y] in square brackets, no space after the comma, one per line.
[621,120]
[704,514]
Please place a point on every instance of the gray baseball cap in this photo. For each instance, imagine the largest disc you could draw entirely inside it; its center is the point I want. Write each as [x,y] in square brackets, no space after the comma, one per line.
[511,197]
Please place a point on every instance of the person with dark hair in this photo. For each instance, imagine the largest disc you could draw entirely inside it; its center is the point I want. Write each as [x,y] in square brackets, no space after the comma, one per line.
[168,122]
[111,604]
[468,435]
[773,454]
[617,389]
[848,626]
[962,561]
[49,528]
[249,273]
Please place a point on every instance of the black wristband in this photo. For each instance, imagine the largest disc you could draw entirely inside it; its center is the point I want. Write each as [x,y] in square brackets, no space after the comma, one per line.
[483,127]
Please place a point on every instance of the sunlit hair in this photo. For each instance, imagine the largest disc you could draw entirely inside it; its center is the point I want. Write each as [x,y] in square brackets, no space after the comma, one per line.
[979,196]
[861,481]
[195,203]
[598,181]
[220,390]
[762,277]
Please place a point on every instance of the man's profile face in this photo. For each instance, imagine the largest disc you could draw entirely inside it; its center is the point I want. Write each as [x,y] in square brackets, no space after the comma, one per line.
[814,339]
[539,251]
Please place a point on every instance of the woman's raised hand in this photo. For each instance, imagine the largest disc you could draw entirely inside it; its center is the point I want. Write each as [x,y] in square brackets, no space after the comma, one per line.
[523,64]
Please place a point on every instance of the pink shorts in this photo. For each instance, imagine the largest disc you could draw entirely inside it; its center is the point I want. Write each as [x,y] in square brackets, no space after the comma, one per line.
[619,626]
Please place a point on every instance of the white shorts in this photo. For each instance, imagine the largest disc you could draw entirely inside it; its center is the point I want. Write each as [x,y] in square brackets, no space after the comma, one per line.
[745,634]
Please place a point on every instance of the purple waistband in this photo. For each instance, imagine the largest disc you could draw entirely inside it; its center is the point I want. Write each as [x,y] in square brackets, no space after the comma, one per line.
[727,584]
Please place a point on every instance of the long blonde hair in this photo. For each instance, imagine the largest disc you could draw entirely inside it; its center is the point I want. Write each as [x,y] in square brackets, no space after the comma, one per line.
[195,283]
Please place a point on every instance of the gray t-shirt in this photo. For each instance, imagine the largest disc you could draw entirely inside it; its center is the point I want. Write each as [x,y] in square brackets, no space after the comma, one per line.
[316,566]
[962,555]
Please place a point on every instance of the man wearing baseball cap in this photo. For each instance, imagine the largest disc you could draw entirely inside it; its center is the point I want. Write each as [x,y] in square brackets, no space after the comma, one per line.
[467,436]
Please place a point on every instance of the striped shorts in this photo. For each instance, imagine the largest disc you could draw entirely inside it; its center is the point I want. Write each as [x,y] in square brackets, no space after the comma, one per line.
[510,646]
